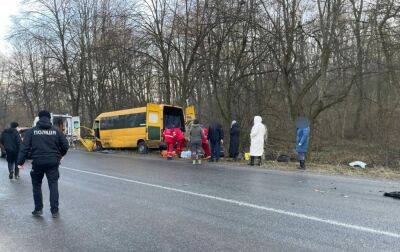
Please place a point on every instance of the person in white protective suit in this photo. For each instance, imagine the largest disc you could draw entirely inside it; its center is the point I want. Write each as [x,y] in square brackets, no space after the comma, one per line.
[258,135]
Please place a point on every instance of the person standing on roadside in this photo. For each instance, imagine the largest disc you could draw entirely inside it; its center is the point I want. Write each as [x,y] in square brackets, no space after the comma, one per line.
[216,138]
[196,135]
[257,137]
[234,140]
[302,138]
[204,143]
[11,141]
[47,145]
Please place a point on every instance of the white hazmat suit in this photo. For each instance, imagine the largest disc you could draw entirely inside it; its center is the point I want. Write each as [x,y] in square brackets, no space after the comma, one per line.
[258,135]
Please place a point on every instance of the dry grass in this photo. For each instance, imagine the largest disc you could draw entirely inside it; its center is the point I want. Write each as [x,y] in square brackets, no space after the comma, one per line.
[339,167]
[372,172]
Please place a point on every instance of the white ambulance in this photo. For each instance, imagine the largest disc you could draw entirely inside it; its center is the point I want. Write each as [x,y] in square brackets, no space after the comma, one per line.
[69,125]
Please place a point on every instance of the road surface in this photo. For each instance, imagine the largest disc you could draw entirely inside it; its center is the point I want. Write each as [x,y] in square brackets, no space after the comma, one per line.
[143,203]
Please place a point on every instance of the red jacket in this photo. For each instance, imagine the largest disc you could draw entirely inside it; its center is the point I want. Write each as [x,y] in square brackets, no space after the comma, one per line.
[179,134]
[205,135]
[168,136]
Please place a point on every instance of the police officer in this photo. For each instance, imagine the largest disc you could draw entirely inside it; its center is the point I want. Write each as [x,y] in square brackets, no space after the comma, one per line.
[47,146]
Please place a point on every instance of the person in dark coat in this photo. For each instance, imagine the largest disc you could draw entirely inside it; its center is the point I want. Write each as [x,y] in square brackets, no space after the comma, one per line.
[302,139]
[11,141]
[234,140]
[47,145]
[216,138]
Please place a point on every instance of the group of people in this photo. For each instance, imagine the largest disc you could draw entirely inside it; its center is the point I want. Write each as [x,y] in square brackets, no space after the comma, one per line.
[206,140]
[209,141]
[175,141]
[201,139]
[45,144]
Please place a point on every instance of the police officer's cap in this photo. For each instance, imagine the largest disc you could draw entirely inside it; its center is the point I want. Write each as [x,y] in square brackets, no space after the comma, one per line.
[44,113]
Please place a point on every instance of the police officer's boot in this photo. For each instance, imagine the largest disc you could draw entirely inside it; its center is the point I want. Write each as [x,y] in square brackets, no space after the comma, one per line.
[37,213]
[16,173]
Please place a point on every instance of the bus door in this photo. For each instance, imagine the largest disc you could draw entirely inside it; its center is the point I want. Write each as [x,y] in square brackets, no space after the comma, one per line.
[190,114]
[154,121]
[76,129]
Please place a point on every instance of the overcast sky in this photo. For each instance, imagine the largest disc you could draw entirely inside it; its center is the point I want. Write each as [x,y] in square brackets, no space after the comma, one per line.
[8,8]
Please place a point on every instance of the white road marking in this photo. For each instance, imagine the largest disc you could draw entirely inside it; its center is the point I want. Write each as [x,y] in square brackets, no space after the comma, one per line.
[245,204]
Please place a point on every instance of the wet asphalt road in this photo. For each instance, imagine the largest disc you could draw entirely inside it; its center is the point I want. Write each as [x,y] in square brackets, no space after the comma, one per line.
[142,203]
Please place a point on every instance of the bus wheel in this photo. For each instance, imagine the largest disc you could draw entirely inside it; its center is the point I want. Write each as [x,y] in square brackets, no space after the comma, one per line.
[142,147]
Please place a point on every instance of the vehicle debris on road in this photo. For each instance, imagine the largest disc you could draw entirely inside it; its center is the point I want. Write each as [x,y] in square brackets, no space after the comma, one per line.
[358,164]
[395,195]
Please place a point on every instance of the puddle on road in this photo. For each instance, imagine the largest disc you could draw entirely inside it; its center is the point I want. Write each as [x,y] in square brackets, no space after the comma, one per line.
[3,196]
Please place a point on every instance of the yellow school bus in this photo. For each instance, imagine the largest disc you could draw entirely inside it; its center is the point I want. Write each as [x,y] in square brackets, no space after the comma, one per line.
[139,128]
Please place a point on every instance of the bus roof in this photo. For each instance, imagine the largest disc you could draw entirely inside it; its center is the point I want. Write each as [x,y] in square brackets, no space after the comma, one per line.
[130,111]
[122,112]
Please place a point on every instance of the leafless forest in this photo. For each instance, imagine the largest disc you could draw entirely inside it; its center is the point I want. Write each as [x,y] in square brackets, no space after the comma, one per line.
[336,61]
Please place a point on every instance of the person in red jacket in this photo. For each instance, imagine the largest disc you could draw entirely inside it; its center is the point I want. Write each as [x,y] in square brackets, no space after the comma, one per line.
[204,143]
[169,139]
[179,140]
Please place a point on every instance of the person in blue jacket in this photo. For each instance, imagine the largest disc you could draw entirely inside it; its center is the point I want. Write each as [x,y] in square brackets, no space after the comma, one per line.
[302,138]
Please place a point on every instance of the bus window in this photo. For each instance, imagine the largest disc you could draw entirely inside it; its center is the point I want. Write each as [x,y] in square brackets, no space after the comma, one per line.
[123,121]
[135,120]
[141,120]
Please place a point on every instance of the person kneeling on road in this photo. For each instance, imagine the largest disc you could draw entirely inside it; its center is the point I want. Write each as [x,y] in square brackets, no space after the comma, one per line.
[47,146]
[169,139]
[179,140]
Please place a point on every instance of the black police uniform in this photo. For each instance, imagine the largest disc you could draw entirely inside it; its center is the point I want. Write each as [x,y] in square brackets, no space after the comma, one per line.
[47,146]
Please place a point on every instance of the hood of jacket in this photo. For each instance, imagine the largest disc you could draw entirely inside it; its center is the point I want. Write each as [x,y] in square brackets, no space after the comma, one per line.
[195,125]
[44,123]
[302,122]
[257,119]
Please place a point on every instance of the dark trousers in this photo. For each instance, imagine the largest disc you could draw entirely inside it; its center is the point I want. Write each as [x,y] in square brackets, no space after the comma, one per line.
[215,150]
[13,167]
[196,150]
[52,176]
[252,158]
